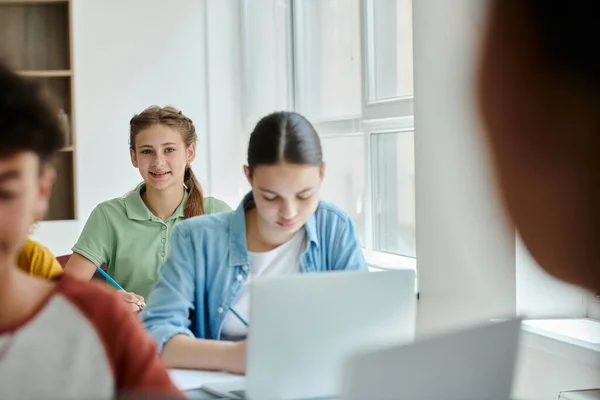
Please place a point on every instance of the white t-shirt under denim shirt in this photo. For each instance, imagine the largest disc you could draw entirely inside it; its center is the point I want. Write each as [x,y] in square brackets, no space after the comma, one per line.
[282,260]
[199,278]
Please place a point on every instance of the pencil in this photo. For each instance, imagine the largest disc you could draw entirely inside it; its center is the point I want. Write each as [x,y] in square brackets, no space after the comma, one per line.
[242,320]
[109,279]
[115,284]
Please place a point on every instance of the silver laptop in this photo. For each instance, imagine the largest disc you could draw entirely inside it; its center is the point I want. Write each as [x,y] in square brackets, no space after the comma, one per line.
[473,364]
[303,327]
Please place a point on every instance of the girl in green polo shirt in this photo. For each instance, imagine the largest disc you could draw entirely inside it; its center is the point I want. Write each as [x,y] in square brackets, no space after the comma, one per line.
[130,235]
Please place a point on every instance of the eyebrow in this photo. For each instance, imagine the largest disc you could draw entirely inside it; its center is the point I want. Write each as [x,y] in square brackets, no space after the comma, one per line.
[277,194]
[162,145]
[9,175]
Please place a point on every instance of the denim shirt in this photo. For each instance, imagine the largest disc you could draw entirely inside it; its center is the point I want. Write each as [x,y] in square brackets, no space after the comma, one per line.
[209,263]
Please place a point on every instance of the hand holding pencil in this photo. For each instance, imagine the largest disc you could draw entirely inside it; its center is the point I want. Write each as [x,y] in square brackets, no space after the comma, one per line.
[136,302]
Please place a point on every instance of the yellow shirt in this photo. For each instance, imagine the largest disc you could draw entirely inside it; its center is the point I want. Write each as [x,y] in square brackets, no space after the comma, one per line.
[36,260]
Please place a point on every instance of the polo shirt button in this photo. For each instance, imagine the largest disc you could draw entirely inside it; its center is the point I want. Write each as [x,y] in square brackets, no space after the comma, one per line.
[245,268]
[162,253]
[220,310]
[164,227]
[239,277]
[164,240]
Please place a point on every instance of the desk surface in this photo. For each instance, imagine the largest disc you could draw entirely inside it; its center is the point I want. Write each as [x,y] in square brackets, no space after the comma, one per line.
[199,394]
[191,381]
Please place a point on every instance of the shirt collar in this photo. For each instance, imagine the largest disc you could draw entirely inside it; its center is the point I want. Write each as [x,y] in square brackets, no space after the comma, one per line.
[238,248]
[137,209]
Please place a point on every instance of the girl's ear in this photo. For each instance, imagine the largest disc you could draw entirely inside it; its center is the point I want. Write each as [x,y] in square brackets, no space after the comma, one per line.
[191,153]
[247,173]
[47,178]
[133,158]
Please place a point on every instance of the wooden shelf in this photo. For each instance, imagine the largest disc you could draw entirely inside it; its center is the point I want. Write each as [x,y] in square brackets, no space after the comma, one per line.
[29,2]
[35,40]
[59,73]
[36,35]
[62,201]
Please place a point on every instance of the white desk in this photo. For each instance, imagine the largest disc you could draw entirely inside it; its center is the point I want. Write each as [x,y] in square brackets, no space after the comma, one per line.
[199,394]
[191,381]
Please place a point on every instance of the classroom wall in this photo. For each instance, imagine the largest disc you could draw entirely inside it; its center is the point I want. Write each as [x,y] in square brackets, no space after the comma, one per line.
[227,139]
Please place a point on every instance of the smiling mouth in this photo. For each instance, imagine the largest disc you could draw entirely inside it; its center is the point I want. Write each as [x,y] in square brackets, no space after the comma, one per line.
[159,174]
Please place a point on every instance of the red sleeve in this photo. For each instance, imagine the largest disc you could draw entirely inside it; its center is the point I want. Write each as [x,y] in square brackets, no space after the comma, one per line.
[132,353]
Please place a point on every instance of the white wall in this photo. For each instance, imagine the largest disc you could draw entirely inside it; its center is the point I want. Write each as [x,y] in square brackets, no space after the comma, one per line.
[545,368]
[540,295]
[128,55]
[227,138]
[466,252]
[465,249]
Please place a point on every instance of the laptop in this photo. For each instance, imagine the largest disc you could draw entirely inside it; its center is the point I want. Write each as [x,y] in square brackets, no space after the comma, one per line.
[303,327]
[473,364]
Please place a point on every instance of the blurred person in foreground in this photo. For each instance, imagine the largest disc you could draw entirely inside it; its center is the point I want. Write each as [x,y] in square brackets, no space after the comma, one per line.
[64,338]
[539,95]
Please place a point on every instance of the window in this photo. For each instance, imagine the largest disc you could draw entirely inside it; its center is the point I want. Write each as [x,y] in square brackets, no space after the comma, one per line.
[390,47]
[347,66]
[353,79]
[393,160]
[266,51]
[345,177]
[327,59]
[388,60]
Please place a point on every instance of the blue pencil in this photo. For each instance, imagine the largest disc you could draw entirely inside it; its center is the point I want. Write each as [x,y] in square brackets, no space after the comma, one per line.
[242,320]
[115,284]
[108,278]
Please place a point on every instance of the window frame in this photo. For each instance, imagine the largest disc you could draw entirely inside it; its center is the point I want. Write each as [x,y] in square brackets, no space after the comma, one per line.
[400,125]
[377,116]
[373,110]
[246,8]
[352,121]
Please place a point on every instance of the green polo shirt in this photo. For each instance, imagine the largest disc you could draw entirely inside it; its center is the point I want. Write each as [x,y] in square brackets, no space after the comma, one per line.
[132,242]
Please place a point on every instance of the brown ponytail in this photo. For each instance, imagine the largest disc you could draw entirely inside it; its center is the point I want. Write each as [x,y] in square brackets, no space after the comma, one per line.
[194,204]
[170,116]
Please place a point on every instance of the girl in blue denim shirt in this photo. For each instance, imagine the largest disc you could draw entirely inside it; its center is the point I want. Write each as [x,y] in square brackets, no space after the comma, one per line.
[280,227]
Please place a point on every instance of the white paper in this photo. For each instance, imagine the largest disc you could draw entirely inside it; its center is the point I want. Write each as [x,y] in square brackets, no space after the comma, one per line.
[187,379]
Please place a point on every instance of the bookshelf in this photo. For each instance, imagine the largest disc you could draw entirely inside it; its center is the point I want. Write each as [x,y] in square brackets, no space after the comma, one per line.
[35,39]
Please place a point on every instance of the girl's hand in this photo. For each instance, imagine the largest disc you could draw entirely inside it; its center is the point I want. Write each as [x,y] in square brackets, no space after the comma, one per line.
[135,301]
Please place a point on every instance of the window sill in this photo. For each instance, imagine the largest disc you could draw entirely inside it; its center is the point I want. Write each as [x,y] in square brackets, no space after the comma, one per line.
[577,339]
[378,260]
